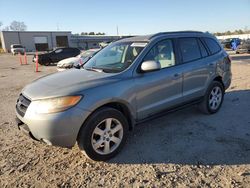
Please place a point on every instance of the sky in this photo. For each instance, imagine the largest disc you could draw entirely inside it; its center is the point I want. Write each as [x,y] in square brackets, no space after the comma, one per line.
[131,16]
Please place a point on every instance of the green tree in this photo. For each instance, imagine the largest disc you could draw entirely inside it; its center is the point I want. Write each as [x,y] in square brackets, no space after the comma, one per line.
[84,33]
[228,33]
[241,32]
[99,33]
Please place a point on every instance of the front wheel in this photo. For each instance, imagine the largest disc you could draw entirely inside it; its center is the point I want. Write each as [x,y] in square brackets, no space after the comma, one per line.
[213,99]
[103,135]
[46,61]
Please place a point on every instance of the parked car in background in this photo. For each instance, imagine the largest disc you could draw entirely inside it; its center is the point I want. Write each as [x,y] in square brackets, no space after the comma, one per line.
[104,44]
[244,47]
[77,61]
[56,55]
[226,43]
[127,82]
[16,49]
[231,43]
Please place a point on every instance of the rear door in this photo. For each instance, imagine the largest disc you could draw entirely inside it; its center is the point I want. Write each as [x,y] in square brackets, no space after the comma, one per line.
[160,89]
[67,52]
[195,67]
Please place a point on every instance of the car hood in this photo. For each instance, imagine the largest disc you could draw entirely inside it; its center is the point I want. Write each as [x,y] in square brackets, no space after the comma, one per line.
[64,83]
[68,61]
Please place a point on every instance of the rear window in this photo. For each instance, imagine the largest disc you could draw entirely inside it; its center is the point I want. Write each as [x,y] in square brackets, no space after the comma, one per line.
[212,45]
[189,49]
[73,50]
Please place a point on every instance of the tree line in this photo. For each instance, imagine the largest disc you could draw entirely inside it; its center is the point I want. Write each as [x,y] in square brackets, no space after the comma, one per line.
[89,33]
[235,32]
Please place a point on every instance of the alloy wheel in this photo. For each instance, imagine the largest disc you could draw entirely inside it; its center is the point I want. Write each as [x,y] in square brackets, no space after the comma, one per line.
[107,136]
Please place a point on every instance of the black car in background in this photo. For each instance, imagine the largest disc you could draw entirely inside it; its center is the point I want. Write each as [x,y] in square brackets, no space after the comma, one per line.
[56,55]
[244,47]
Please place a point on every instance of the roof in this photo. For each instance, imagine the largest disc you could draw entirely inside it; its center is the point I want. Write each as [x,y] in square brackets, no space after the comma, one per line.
[141,38]
[147,38]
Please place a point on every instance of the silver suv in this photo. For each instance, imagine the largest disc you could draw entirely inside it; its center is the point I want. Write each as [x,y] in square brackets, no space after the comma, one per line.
[129,81]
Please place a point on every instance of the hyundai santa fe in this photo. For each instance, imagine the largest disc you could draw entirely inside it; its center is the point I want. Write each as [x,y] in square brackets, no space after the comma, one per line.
[129,81]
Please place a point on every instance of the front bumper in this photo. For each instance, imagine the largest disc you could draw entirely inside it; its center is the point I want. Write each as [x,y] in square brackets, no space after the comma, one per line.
[59,129]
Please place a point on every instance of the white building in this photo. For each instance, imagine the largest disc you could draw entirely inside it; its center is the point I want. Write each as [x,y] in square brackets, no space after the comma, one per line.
[241,36]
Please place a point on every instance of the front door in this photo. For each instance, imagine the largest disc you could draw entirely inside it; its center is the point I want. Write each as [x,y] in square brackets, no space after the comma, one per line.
[160,89]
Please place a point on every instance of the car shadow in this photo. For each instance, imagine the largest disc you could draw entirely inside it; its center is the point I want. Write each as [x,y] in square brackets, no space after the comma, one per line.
[190,137]
[52,65]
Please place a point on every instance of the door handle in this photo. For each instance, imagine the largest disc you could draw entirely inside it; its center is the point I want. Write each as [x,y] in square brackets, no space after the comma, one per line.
[176,75]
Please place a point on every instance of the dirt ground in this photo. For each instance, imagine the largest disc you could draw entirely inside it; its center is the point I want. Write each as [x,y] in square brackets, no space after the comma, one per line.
[181,149]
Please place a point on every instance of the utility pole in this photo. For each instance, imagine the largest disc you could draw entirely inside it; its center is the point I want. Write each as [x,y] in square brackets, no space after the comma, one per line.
[117,30]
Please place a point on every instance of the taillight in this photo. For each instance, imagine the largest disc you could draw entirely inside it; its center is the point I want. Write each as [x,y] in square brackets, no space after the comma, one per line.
[228,59]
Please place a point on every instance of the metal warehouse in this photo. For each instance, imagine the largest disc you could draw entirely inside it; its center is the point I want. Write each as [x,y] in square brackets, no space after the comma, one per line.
[35,40]
[48,40]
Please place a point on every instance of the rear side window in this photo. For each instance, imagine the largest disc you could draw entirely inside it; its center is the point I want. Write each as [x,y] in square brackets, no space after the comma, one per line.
[212,45]
[189,49]
[68,50]
[58,51]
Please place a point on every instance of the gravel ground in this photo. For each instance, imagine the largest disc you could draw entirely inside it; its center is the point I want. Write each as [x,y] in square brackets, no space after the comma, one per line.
[182,149]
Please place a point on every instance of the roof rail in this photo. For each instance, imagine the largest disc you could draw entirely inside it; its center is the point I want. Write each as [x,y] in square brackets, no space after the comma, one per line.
[173,32]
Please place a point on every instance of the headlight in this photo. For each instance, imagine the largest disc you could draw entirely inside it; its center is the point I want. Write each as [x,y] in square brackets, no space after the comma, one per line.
[54,105]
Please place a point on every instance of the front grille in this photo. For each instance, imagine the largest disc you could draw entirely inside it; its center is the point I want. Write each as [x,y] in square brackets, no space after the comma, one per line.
[22,105]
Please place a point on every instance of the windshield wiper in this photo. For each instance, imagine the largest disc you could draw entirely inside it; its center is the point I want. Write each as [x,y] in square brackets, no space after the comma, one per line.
[93,69]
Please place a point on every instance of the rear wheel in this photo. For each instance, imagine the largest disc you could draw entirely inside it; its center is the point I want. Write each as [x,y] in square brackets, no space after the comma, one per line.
[103,135]
[213,99]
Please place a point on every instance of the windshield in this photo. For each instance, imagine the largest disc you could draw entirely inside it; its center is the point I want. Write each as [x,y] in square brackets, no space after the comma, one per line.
[87,53]
[115,57]
[17,46]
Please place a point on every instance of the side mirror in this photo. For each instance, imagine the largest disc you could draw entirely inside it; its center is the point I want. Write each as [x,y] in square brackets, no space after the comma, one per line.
[149,66]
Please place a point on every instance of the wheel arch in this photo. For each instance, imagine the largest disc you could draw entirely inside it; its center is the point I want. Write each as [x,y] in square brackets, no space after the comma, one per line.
[219,79]
[119,105]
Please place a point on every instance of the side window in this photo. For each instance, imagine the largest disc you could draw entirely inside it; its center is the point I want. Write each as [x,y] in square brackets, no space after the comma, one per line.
[189,49]
[163,53]
[58,51]
[204,52]
[212,45]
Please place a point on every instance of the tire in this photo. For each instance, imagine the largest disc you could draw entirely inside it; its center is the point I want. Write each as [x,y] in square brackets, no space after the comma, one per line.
[47,62]
[95,132]
[213,99]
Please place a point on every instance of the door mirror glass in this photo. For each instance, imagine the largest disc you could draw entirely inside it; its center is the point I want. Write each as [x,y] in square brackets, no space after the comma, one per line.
[148,66]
